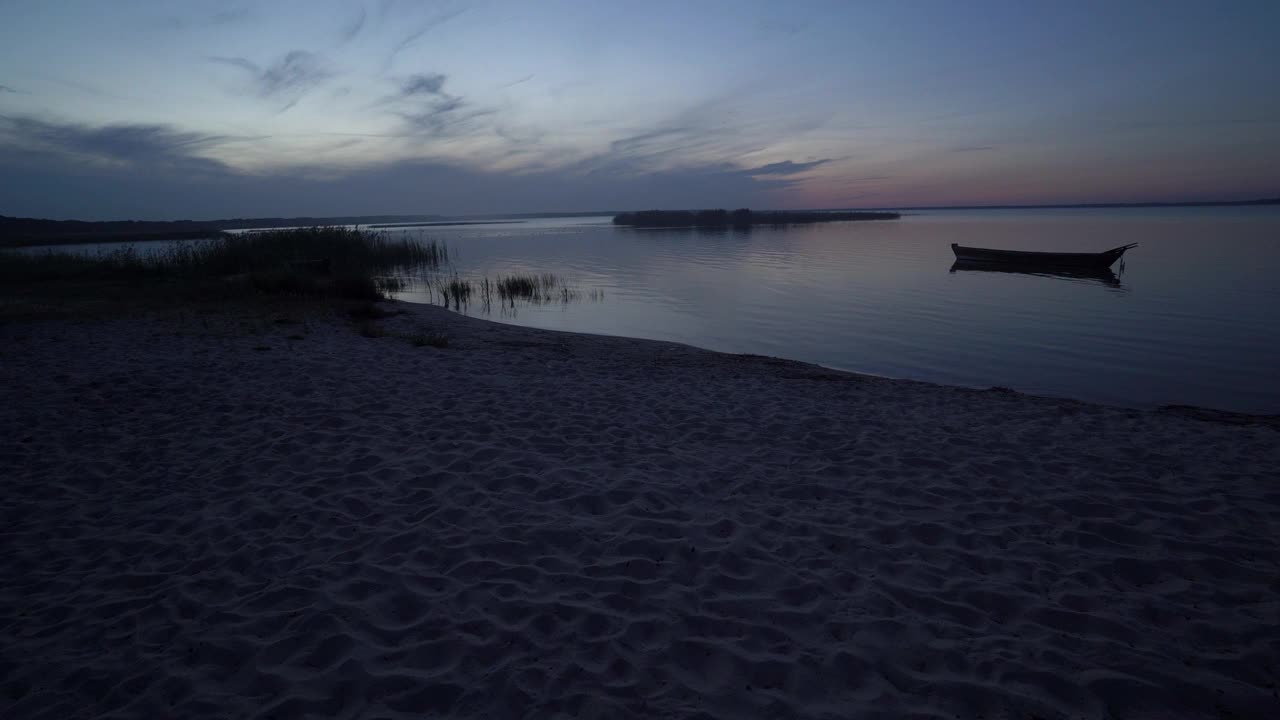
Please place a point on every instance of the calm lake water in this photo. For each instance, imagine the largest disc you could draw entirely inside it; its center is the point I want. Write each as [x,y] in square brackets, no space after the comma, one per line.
[1194,318]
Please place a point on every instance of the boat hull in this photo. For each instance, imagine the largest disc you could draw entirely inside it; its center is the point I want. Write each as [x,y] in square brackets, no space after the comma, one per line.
[1021,258]
[1102,275]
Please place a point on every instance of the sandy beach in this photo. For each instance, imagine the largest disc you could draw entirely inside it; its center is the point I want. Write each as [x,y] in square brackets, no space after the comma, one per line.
[205,516]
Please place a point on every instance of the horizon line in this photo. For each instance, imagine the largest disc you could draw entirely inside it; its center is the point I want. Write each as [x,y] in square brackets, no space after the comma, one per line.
[1274,200]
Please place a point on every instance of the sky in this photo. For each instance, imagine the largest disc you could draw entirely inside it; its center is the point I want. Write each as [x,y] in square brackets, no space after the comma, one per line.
[164,110]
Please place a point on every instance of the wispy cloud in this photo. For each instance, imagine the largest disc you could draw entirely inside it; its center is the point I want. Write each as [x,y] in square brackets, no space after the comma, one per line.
[353,28]
[66,187]
[384,8]
[141,170]
[521,81]
[426,84]
[417,34]
[239,62]
[521,138]
[786,167]
[121,144]
[297,70]
[444,119]
[289,77]
[677,145]
[857,183]
[715,130]
[427,110]
[7,89]
[694,143]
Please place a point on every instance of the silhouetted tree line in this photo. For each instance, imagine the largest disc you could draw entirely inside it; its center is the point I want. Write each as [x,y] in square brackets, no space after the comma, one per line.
[741,217]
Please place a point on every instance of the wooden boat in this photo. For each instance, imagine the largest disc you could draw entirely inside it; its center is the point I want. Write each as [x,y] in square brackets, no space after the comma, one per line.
[1023,258]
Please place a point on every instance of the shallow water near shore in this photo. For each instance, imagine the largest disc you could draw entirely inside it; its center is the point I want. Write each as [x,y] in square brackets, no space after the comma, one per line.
[1192,316]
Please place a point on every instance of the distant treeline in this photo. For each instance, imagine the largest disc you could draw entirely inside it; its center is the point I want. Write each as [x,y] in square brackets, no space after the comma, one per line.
[441,223]
[16,231]
[739,218]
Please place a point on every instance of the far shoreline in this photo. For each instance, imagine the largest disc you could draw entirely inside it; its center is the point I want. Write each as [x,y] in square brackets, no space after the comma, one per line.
[10,238]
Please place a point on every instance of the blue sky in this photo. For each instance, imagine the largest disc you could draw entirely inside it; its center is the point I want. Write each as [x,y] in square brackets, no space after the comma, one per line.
[141,108]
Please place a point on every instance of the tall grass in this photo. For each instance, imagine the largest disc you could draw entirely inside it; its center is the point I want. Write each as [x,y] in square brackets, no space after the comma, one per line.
[457,291]
[52,266]
[508,290]
[305,261]
[528,287]
[345,249]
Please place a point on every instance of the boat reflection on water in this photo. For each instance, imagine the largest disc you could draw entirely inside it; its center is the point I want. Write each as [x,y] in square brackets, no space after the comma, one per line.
[1101,275]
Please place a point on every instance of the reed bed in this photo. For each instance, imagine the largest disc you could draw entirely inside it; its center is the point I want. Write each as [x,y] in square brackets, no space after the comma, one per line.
[509,290]
[306,261]
[456,291]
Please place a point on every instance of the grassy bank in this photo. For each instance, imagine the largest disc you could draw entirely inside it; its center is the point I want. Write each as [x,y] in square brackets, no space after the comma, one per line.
[26,232]
[300,263]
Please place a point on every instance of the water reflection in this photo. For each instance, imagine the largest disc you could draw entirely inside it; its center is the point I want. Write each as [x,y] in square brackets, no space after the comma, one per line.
[503,295]
[1104,276]
[1199,325]
[741,231]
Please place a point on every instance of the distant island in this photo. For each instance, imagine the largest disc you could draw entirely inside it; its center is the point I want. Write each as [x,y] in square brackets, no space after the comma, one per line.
[439,223]
[18,232]
[739,218]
